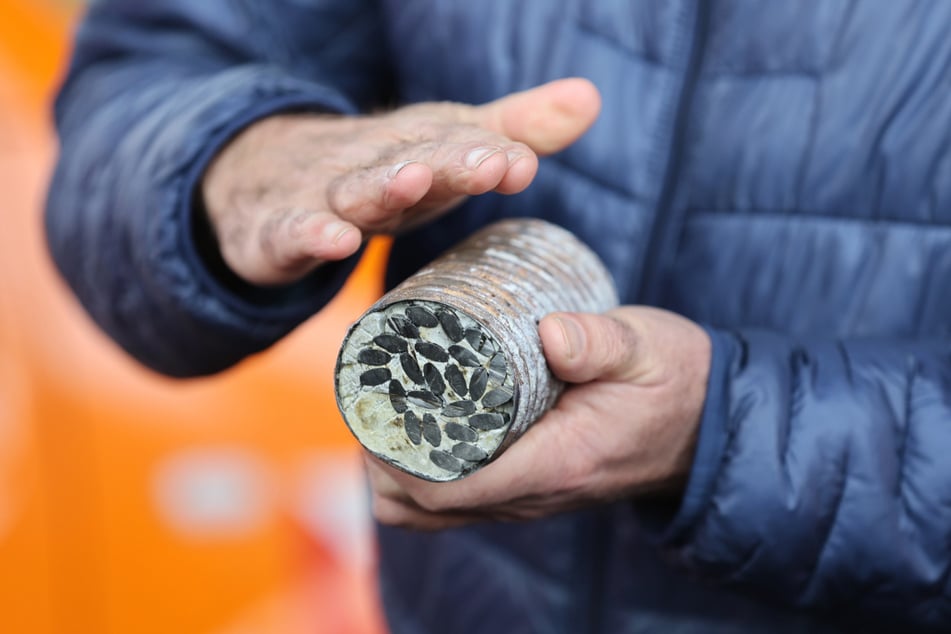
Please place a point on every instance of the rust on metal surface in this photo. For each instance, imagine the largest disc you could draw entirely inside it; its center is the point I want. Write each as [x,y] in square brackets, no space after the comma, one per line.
[459,344]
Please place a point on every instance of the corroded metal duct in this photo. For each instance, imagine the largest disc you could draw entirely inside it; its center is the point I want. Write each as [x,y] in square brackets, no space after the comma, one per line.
[446,370]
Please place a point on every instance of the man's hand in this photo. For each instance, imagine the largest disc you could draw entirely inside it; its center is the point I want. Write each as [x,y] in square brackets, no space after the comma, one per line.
[292,191]
[626,425]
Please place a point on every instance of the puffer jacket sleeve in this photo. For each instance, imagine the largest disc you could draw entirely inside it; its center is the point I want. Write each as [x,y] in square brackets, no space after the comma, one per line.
[823,475]
[155,89]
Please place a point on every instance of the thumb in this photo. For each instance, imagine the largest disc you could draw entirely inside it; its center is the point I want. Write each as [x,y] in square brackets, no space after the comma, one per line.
[548,118]
[583,347]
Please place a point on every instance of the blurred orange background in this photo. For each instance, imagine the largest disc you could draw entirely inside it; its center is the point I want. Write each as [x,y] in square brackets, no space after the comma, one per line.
[131,503]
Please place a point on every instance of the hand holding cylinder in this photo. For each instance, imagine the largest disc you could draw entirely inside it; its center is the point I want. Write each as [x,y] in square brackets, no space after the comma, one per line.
[444,372]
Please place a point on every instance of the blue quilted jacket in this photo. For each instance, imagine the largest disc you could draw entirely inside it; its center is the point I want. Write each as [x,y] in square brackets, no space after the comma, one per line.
[780,172]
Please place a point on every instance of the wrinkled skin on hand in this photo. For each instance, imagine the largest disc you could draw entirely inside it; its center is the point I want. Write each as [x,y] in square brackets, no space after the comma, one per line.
[626,425]
[292,191]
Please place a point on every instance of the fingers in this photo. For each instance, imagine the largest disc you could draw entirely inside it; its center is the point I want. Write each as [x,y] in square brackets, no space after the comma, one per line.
[492,148]
[592,446]
[541,473]
[429,157]
[505,490]
[373,197]
[423,177]
[394,513]
[427,175]
[290,242]
[583,347]
[547,118]
[392,504]
[473,168]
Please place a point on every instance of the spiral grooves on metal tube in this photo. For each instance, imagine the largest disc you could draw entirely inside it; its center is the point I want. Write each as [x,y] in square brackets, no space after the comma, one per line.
[501,282]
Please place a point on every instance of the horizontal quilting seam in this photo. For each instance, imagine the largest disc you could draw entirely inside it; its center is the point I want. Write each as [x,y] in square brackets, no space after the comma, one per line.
[780,215]
[759,75]
[562,164]
[831,63]
[708,75]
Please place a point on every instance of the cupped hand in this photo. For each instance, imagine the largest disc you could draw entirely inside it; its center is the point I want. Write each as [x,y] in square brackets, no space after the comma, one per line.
[292,191]
[626,425]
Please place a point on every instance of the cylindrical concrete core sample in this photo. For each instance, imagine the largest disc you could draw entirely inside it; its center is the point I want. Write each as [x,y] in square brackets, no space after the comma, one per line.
[446,370]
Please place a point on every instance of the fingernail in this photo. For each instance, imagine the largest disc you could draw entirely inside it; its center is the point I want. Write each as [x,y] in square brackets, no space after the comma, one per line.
[574,337]
[393,171]
[335,231]
[477,157]
[514,155]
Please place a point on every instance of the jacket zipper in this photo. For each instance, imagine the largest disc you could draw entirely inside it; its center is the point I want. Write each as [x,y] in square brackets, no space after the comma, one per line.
[668,220]
[594,527]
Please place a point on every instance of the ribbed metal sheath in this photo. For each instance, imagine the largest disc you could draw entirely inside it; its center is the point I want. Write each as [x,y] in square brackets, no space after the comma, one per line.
[496,285]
